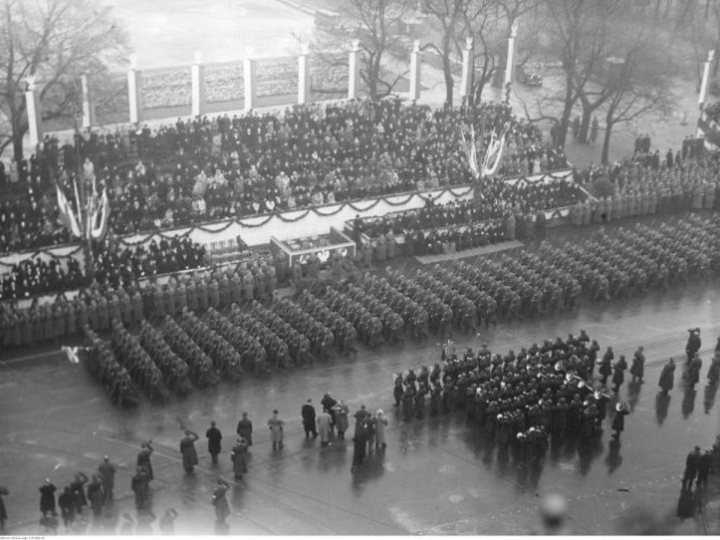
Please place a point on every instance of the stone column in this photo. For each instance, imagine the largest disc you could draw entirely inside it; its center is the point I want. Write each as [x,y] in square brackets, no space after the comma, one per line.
[467,69]
[88,106]
[135,91]
[197,71]
[34,112]
[354,70]
[249,79]
[415,69]
[303,75]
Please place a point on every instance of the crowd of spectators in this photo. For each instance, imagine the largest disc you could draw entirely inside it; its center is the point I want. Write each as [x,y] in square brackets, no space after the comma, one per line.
[112,265]
[202,170]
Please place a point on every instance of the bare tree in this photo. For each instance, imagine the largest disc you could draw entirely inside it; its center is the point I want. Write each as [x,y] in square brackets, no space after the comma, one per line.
[639,87]
[54,41]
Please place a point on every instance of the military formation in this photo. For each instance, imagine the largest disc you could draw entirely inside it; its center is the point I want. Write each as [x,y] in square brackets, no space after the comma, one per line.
[102,364]
[521,399]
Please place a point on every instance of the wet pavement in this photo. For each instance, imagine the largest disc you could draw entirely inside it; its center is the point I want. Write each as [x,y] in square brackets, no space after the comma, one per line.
[437,476]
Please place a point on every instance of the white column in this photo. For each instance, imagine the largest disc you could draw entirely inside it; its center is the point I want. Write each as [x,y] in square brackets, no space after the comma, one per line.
[135,91]
[249,79]
[510,66]
[197,71]
[354,70]
[88,107]
[467,69]
[415,69]
[303,75]
[704,87]
[34,112]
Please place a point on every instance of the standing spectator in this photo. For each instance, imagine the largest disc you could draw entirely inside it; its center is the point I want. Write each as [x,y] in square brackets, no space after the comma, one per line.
[594,127]
[691,468]
[107,472]
[667,377]
[143,459]
[245,428]
[308,419]
[380,426]
[95,494]
[637,370]
[238,458]
[214,436]
[359,441]
[47,498]
[619,374]
[77,487]
[323,421]
[139,485]
[3,513]
[341,418]
[66,503]
[187,449]
[222,508]
[275,423]
[704,466]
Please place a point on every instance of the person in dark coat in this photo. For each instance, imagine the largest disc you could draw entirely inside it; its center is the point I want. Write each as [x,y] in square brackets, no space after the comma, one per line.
[359,443]
[187,449]
[618,424]
[637,370]
[3,513]
[143,459]
[214,436]
[238,457]
[66,502]
[694,343]
[705,465]
[691,468]
[308,418]
[693,372]
[95,494]
[77,487]
[667,377]
[619,374]
[47,498]
[245,428]
[107,474]
[606,365]
[139,485]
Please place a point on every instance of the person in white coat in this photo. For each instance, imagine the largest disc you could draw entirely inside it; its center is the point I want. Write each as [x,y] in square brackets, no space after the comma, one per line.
[380,425]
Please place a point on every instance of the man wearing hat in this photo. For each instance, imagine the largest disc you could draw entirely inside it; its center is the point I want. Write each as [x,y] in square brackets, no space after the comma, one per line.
[691,468]
[618,424]
[308,418]
[107,473]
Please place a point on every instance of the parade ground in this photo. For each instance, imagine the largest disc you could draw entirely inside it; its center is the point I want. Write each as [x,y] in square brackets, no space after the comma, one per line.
[438,475]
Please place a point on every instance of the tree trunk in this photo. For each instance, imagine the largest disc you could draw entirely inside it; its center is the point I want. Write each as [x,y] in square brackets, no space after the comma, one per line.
[585,123]
[567,111]
[606,140]
[447,72]
[17,134]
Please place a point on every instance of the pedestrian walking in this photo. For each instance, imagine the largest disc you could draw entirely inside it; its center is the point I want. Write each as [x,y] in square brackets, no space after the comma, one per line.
[275,424]
[245,429]
[219,501]
[214,436]
[187,449]
[667,377]
[637,370]
[380,426]
[691,468]
[107,473]
[47,498]
[308,418]
[3,513]
[324,420]
[143,459]
[618,423]
[238,457]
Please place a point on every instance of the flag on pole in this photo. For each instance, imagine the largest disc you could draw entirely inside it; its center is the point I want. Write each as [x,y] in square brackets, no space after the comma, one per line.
[67,217]
[100,218]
